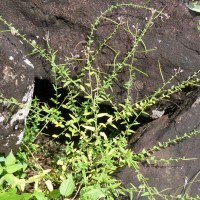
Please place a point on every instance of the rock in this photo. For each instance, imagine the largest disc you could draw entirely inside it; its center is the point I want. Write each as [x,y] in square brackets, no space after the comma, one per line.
[67,24]
[176,177]
[17,81]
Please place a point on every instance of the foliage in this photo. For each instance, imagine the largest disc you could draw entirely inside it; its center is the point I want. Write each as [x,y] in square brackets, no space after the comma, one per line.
[195,6]
[84,169]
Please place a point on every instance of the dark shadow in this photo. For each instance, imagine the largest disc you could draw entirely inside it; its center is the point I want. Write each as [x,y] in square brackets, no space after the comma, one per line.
[44,91]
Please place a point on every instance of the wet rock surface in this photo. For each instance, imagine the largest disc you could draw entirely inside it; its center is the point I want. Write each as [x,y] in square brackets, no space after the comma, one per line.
[67,23]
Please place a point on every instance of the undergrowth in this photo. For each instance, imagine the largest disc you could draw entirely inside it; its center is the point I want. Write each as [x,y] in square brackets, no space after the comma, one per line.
[93,146]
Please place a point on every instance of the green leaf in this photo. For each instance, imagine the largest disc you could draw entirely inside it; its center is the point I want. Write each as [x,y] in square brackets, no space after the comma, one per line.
[82,88]
[11,179]
[67,187]
[10,159]
[40,196]
[11,195]
[110,120]
[91,193]
[2,159]
[194,6]
[21,184]
[102,115]
[54,194]
[49,185]
[13,168]
[90,128]
[145,194]
[86,113]
[1,169]
[1,180]
[66,83]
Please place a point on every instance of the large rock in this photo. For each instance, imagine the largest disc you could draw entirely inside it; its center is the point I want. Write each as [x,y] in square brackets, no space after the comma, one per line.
[172,178]
[67,23]
[16,80]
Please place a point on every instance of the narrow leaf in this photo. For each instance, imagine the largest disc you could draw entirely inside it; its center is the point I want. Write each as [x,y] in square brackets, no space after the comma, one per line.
[102,115]
[91,128]
[1,169]
[49,185]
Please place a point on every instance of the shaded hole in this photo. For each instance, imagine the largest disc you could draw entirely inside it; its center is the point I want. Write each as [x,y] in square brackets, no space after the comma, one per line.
[44,91]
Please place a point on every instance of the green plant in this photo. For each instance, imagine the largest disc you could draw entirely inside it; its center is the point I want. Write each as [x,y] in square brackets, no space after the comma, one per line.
[13,179]
[84,169]
[7,169]
[195,6]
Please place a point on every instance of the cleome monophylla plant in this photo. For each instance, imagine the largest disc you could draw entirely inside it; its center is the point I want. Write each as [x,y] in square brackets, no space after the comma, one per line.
[94,146]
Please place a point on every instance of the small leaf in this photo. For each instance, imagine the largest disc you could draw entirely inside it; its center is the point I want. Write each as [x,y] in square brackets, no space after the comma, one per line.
[86,113]
[21,184]
[110,119]
[55,136]
[67,187]
[40,196]
[88,84]
[91,128]
[60,162]
[145,194]
[102,115]
[10,159]
[66,83]
[55,194]
[82,88]
[2,159]
[49,185]
[92,194]
[1,180]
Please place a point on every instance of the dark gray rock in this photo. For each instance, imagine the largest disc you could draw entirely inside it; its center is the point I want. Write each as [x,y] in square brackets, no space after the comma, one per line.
[176,177]
[16,81]
[68,23]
